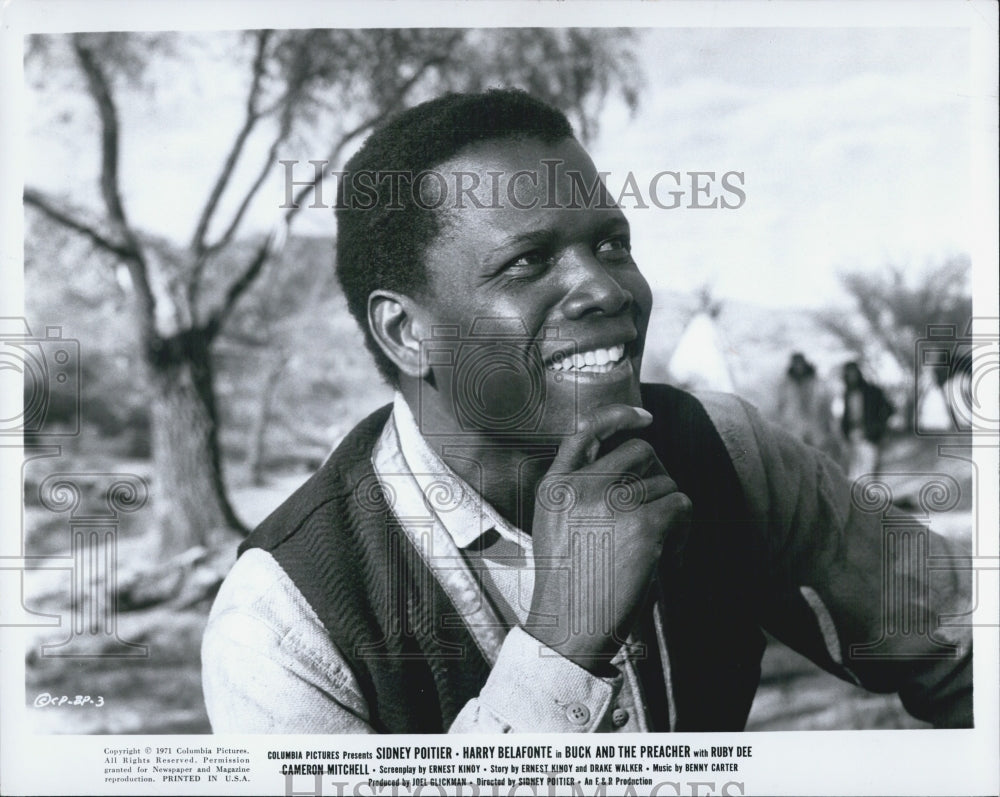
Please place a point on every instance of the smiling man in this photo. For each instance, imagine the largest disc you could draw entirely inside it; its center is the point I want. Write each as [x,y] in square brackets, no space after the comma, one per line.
[528,538]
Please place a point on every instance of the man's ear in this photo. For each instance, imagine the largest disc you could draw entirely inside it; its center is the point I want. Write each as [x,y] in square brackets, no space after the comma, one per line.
[394,320]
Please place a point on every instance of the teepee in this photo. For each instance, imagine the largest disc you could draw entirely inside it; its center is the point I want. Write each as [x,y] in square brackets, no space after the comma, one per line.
[699,361]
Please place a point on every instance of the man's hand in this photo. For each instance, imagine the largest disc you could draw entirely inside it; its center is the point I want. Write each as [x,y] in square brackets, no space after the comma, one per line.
[600,525]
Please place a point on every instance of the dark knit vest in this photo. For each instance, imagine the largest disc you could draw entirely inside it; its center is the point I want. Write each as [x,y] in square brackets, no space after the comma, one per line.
[414,659]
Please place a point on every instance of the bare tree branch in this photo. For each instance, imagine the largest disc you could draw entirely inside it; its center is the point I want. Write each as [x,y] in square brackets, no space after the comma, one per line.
[333,156]
[251,117]
[100,91]
[38,200]
[245,338]
[338,149]
[270,159]
[274,241]
[218,318]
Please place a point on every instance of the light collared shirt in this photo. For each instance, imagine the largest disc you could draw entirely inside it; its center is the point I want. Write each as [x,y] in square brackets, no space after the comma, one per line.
[271,667]
[500,557]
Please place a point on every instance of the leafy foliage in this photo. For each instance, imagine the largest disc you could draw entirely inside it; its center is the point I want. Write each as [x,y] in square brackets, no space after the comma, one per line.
[895,308]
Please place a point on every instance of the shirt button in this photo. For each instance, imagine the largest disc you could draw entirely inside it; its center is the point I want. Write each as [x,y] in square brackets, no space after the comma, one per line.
[578,713]
[619,717]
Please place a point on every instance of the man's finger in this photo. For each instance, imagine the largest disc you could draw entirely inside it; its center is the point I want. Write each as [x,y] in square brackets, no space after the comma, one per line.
[634,456]
[626,495]
[657,487]
[581,448]
[675,511]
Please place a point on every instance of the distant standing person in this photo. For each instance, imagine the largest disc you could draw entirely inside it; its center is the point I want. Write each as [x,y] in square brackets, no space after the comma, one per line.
[803,408]
[866,411]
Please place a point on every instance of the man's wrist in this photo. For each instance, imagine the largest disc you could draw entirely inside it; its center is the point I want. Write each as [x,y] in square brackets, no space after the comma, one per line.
[592,652]
[531,687]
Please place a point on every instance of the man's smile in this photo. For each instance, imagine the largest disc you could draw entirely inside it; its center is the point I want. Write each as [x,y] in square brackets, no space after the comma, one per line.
[600,360]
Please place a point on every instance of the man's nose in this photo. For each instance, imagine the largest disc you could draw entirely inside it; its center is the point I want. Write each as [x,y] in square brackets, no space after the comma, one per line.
[594,289]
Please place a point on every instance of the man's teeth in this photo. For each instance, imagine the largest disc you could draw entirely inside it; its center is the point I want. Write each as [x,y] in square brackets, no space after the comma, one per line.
[594,361]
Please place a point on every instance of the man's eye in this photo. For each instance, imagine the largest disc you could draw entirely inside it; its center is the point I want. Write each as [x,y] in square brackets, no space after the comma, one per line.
[529,261]
[618,248]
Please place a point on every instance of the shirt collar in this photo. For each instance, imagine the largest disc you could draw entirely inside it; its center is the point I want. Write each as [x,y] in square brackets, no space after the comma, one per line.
[469,517]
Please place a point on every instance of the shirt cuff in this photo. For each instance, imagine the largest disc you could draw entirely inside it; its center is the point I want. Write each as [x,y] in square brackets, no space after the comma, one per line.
[533,688]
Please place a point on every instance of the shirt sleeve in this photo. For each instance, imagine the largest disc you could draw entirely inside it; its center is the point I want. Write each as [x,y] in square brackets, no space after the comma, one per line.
[533,688]
[866,592]
[269,666]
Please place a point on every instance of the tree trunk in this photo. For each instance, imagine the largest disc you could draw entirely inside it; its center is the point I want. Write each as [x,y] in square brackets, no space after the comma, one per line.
[189,490]
[255,456]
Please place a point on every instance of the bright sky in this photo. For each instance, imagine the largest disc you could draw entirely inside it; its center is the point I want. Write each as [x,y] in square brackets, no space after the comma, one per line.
[854,147]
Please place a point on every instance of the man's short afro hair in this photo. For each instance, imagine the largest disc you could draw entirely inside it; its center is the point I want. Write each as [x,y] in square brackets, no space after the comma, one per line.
[381,247]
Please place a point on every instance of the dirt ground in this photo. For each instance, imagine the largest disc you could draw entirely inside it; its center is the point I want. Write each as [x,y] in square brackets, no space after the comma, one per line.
[160,693]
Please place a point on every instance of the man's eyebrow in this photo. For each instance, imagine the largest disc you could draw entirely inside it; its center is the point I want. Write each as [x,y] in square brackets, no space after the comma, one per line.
[548,237]
[614,224]
[540,238]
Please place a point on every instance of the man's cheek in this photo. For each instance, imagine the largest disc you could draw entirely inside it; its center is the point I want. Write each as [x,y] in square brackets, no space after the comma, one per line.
[505,395]
[496,386]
